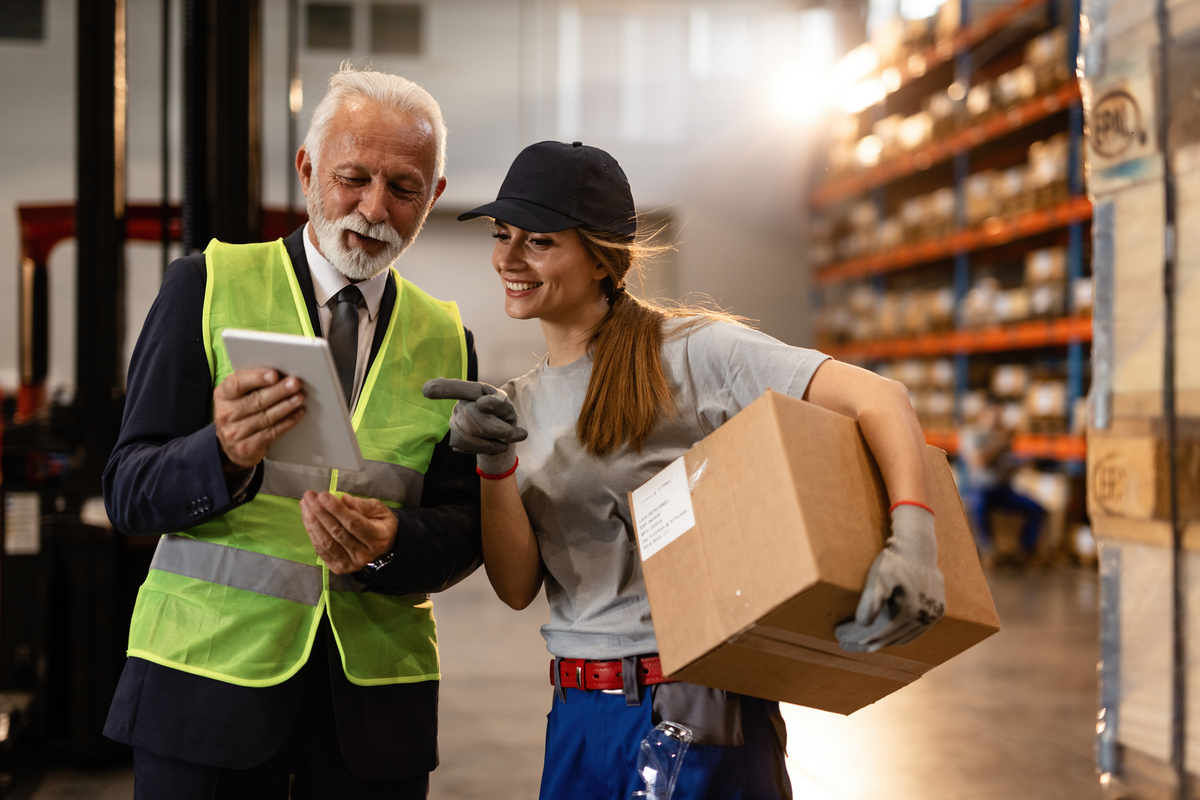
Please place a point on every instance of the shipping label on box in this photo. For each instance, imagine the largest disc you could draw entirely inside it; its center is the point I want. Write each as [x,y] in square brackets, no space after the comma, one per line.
[789,513]
[663,509]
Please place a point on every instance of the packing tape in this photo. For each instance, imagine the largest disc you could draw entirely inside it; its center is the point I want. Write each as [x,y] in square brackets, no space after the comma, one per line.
[799,647]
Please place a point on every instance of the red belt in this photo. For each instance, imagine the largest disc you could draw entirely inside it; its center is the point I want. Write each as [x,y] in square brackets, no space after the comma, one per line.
[578,673]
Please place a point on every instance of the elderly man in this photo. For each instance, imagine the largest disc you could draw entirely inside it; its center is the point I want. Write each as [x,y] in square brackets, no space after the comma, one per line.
[284,630]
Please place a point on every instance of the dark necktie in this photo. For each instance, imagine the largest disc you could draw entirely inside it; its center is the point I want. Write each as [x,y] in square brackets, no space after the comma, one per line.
[343,336]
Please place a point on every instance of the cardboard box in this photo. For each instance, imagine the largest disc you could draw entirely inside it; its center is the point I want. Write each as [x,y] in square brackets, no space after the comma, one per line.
[1010,380]
[1046,399]
[1128,477]
[756,544]
[1047,264]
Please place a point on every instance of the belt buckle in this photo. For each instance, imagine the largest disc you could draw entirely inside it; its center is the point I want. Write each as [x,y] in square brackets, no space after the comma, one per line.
[579,676]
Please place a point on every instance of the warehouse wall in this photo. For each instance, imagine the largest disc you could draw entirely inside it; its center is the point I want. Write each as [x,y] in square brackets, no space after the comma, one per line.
[680,93]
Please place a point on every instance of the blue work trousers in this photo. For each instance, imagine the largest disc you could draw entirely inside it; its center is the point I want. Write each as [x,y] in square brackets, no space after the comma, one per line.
[592,742]
[982,502]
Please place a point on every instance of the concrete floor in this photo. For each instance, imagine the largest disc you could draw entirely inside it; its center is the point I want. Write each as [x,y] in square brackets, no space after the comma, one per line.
[1012,718]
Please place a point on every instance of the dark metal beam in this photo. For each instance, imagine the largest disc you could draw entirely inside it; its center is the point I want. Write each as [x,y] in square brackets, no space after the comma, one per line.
[100,220]
[222,149]
[196,228]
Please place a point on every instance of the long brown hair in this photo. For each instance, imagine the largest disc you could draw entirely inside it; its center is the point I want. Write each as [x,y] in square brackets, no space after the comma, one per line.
[628,393]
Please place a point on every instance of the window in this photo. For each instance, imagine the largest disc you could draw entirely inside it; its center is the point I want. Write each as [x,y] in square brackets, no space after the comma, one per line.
[329,26]
[622,75]
[395,29]
[22,19]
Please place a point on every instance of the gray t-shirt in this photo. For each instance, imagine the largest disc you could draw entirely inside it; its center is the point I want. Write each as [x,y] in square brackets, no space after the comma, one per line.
[972,441]
[577,501]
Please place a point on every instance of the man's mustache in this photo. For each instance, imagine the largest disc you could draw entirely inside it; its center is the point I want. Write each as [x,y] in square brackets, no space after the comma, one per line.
[356,222]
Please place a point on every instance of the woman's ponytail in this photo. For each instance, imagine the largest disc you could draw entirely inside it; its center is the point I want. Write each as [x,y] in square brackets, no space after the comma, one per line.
[628,391]
[628,394]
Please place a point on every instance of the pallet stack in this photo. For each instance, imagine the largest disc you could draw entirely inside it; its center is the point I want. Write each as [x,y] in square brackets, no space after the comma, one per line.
[1129,497]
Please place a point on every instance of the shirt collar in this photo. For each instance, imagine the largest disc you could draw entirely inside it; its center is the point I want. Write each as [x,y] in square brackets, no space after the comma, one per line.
[327,281]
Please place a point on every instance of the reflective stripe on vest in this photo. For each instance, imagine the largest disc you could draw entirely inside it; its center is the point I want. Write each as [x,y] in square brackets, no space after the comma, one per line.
[245,569]
[377,479]
[241,569]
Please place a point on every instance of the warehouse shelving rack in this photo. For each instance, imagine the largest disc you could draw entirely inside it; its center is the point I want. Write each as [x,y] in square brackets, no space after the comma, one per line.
[954,253]
[962,141]
[994,232]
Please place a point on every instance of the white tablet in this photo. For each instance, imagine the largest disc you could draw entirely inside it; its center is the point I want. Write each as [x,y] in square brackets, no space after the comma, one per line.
[325,436]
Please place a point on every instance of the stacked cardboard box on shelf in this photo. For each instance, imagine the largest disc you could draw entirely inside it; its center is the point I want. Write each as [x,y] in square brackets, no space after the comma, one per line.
[1128,464]
[903,48]
[1046,279]
[856,229]
[862,312]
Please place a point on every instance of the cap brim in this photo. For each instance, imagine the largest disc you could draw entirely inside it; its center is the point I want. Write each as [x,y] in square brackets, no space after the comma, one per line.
[523,214]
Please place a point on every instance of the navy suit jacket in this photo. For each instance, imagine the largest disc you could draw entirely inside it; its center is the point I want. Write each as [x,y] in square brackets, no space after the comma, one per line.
[165,475]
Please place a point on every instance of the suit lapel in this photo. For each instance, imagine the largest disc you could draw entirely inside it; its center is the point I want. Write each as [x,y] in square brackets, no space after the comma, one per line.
[294,244]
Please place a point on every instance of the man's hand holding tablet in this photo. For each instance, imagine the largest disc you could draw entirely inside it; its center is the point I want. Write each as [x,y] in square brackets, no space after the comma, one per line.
[251,409]
[323,435]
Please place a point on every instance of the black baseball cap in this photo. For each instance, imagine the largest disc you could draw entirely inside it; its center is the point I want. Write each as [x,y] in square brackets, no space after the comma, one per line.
[553,186]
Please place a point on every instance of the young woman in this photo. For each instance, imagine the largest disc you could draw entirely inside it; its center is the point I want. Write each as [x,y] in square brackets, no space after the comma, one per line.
[626,388]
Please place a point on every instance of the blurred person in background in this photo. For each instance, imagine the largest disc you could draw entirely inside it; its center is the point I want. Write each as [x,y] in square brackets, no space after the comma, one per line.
[284,630]
[985,449]
[626,388]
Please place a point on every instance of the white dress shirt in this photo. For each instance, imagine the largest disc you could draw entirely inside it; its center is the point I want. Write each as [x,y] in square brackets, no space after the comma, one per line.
[327,282]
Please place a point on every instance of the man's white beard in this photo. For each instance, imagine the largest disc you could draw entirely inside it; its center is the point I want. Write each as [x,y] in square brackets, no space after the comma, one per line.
[355,264]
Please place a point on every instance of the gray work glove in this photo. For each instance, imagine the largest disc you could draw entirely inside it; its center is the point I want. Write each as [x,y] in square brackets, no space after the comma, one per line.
[905,593]
[484,422]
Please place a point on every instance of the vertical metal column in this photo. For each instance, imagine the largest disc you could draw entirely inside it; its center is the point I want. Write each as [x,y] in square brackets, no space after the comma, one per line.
[34,306]
[1179,596]
[234,149]
[295,104]
[222,148]
[1075,350]
[962,262]
[100,221]
[165,135]
[196,228]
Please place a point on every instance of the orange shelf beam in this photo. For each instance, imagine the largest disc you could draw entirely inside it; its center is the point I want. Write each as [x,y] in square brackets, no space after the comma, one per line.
[995,231]
[1027,445]
[945,440]
[1020,336]
[960,141]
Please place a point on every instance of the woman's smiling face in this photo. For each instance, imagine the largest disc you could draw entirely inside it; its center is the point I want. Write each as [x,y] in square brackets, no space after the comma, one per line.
[547,276]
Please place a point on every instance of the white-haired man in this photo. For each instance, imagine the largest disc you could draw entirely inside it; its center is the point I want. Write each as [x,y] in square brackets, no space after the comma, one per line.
[284,633]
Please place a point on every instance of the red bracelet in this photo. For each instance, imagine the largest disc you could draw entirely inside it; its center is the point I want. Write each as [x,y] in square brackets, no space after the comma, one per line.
[488,477]
[909,503]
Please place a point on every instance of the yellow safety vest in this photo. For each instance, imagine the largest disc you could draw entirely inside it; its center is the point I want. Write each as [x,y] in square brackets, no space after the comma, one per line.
[239,598]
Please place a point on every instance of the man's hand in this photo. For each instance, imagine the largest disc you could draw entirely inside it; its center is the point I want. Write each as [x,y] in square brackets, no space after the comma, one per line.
[252,408]
[905,592]
[347,532]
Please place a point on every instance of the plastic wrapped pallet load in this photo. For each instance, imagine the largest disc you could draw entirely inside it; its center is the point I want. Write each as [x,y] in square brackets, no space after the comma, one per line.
[1128,483]
[1135,659]
[756,544]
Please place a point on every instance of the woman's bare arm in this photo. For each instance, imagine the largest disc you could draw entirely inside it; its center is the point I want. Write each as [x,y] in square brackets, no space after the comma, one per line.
[510,549]
[887,420]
